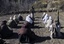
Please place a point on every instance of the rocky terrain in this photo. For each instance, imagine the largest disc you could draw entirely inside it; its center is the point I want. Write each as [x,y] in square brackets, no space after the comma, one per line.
[39,30]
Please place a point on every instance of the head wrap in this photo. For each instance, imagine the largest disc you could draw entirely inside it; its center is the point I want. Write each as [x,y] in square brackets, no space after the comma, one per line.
[28,19]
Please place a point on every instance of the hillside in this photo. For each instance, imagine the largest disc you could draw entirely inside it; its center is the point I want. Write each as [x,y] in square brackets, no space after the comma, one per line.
[25,5]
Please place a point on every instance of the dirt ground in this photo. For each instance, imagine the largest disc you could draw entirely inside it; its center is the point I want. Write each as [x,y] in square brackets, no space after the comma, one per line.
[39,30]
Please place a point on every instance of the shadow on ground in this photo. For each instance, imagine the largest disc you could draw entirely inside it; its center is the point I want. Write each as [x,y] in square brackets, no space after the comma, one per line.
[61,37]
[17,27]
[34,38]
[21,22]
[40,39]
[13,36]
[37,17]
[37,27]
[37,22]
[62,27]
[2,41]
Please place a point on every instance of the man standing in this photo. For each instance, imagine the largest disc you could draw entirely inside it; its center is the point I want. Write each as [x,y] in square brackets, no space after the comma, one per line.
[32,11]
[58,27]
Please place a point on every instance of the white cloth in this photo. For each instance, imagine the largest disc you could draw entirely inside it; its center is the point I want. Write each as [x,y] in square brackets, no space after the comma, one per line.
[49,25]
[43,14]
[45,18]
[49,22]
[14,17]
[51,28]
[19,15]
[51,34]
[31,15]
[10,20]
[28,19]
[50,17]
